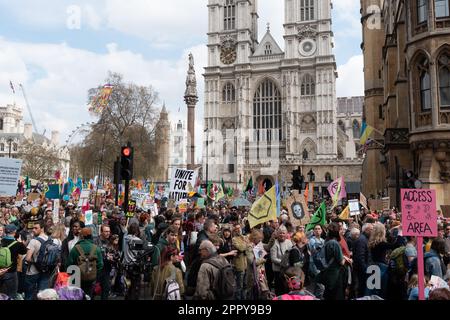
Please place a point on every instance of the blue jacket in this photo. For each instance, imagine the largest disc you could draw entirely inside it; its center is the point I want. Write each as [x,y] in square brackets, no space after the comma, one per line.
[433,265]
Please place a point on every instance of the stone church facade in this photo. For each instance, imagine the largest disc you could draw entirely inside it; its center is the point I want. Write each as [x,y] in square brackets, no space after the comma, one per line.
[269,111]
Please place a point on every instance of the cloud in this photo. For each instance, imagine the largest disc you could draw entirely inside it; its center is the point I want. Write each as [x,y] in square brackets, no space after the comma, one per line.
[351,78]
[58,96]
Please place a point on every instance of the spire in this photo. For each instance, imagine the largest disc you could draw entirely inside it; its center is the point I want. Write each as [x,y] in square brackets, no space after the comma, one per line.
[268,27]
[164,110]
[191,81]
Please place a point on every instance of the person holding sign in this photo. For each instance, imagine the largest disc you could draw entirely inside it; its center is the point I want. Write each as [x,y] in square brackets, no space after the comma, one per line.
[434,264]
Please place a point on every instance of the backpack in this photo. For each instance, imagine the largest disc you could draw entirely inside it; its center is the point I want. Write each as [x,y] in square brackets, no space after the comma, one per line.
[284,264]
[226,283]
[397,261]
[172,289]
[320,261]
[5,256]
[48,257]
[87,265]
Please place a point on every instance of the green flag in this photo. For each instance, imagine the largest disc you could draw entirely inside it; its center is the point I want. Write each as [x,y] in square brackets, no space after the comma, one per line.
[208,188]
[27,183]
[319,217]
[230,191]
[249,184]
[223,185]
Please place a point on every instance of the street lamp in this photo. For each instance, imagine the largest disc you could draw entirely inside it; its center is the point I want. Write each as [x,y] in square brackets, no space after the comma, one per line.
[312,176]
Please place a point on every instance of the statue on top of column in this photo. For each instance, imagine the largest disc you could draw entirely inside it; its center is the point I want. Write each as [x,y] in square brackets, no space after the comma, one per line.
[191,81]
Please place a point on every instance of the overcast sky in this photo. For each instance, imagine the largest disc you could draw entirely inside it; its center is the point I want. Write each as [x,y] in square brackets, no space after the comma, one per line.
[148,41]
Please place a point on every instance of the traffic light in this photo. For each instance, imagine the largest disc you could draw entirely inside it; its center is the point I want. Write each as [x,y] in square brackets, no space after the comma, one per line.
[297,180]
[126,162]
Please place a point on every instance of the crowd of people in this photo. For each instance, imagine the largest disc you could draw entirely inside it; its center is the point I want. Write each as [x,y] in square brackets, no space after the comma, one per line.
[212,254]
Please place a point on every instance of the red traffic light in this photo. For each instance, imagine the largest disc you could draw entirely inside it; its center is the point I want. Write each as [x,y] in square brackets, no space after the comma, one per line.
[126,152]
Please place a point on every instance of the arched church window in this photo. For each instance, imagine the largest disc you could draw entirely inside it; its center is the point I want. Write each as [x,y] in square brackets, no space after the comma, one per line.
[328,177]
[267,112]
[307,10]
[424,84]
[229,15]
[308,87]
[444,80]
[1,124]
[15,147]
[2,147]
[229,93]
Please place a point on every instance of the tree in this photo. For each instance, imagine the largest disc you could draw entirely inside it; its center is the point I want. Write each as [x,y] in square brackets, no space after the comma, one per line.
[39,163]
[130,115]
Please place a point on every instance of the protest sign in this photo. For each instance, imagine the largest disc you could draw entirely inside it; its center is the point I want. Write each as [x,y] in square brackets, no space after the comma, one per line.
[53,191]
[56,211]
[179,183]
[200,203]
[33,196]
[354,207]
[386,202]
[9,176]
[88,218]
[376,204]
[83,196]
[363,200]
[131,208]
[298,209]
[445,211]
[183,206]
[419,217]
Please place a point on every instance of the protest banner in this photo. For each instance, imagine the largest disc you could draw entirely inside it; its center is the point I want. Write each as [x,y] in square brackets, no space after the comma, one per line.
[419,219]
[84,196]
[298,209]
[56,211]
[179,183]
[9,176]
[354,207]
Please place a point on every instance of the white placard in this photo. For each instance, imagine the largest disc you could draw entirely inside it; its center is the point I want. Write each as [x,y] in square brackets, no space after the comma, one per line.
[354,207]
[84,195]
[179,183]
[56,211]
[9,176]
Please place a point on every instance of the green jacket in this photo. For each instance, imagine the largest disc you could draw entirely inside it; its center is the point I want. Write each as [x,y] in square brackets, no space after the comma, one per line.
[86,245]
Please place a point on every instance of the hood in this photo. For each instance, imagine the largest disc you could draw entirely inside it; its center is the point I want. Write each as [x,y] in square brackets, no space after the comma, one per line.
[430,254]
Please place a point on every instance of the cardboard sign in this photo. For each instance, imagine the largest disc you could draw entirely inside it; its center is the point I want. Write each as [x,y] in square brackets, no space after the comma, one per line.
[298,209]
[376,204]
[445,211]
[354,207]
[363,200]
[9,176]
[419,216]
[33,196]
[179,183]
[386,202]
